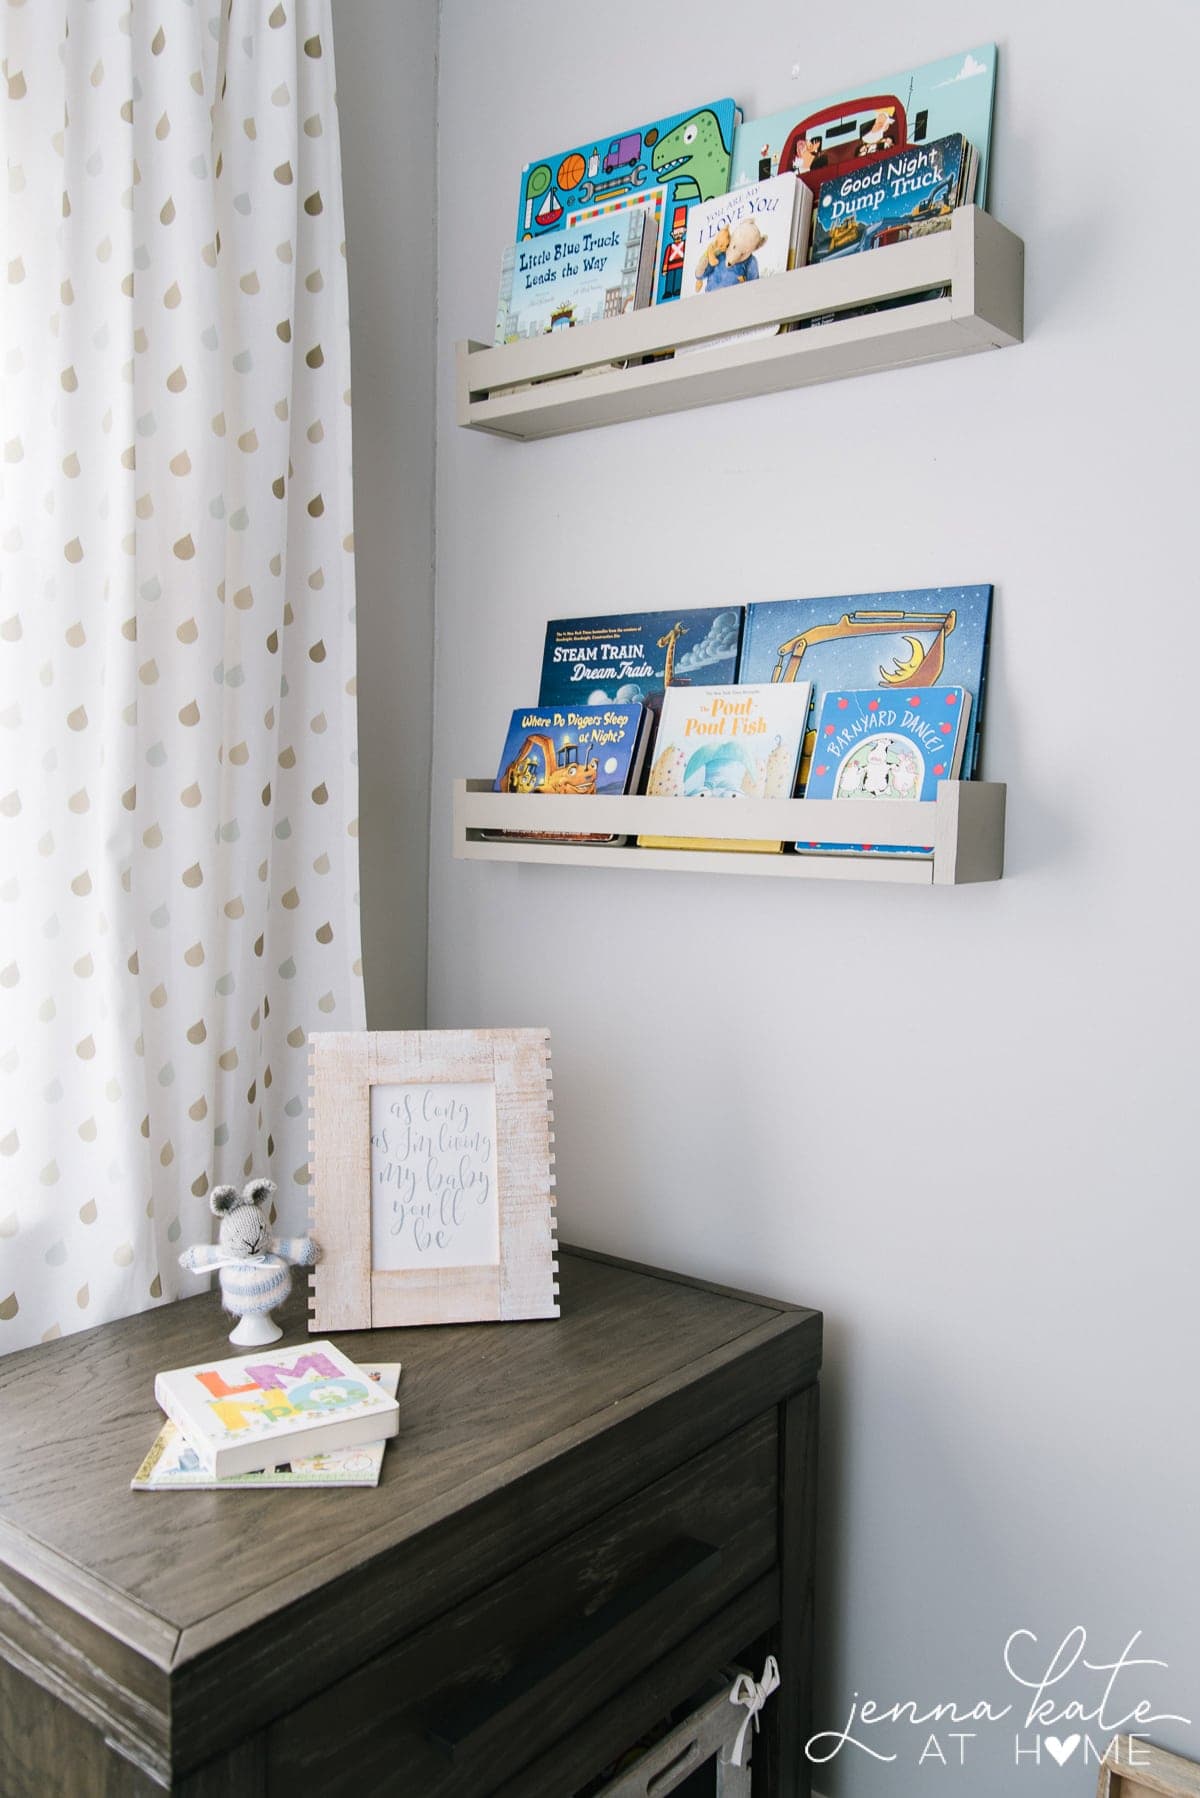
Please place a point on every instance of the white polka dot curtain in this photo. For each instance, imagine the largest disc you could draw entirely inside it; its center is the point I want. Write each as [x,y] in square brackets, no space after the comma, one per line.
[178,865]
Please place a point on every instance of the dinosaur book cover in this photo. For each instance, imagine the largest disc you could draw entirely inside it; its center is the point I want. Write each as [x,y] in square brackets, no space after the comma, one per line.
[571,750]
[886,746]
[896,197]
[917,637]
[260,1409]
[728,743]
[687,155]
[597,270]
[872,119]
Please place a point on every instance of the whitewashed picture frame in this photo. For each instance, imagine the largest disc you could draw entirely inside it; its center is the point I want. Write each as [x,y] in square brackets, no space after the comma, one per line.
[431,1178]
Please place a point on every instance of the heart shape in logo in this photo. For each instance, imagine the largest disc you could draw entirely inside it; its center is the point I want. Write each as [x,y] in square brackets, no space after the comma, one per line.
[1062,1751]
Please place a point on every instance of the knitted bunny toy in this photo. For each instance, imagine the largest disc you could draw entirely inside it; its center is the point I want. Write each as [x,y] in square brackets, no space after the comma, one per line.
[253,1264]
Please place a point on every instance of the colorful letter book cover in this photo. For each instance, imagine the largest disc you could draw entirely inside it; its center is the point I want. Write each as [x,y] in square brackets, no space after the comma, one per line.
[917,637]
[173,1465]
[869,119]
[584,749]
[728,743]
[598,270]
[886,746]
[908,195]
[747,235]
[686,156]
[261,1409]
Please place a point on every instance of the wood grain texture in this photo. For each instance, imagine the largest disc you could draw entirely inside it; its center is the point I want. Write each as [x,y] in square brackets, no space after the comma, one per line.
[780,1766]
[1156,1773]
[671,1681]
[347,1293]
[511,1440]
[516,1639]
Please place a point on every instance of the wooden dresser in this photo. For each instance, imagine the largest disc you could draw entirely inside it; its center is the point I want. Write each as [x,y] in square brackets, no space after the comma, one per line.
[579,1522]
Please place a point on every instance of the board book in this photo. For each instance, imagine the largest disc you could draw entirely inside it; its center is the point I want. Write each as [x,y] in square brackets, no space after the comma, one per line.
[911,194]
[624,658]
[886,746]
[686,155]
[261,1409]
[870,119]
[916,637]
[172,1465]
[597,270]
[748,235]
[571,750]
[727,743]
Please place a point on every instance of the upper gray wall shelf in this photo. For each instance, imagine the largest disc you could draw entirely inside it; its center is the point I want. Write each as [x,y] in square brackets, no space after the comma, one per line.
[977,260]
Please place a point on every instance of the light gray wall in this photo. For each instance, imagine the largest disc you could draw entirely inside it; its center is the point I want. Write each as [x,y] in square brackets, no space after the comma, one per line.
[958,1121]
[387,94]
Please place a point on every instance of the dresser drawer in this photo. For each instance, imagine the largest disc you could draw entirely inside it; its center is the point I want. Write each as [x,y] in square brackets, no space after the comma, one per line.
[460,1707]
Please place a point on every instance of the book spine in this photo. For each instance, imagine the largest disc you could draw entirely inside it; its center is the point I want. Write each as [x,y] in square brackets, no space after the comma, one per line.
[167,1403]
[647,275]
[553,1181]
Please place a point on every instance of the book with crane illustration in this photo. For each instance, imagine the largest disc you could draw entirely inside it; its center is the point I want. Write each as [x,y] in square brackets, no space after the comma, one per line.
[917,637]
[686,157]
[728,743]
[572,751]
[865,120]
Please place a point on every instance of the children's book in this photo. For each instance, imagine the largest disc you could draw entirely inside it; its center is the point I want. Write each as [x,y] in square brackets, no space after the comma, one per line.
[583,749]
[919,637]
[871,119]
[627,657]
[744,236]
[686,154]
[599,269]
[172,1465]
[632,657]
[886,746]
[267,1407]
[728,743]
[910,194]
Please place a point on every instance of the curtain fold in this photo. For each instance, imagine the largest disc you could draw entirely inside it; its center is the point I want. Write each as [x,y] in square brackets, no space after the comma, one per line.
[178,788]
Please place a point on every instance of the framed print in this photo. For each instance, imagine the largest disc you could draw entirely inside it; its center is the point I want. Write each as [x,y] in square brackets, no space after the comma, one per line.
[431,1178]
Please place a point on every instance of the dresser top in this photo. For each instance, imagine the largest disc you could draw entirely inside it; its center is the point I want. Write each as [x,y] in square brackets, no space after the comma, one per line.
[482,1406]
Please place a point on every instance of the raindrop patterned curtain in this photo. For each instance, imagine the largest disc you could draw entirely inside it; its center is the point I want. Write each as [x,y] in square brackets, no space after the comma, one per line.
[178,865]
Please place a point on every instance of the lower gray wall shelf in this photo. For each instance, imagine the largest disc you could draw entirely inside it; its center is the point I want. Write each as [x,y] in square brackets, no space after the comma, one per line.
[965,824]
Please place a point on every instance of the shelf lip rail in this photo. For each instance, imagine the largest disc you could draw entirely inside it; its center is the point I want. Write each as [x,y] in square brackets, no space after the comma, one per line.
[965,825]
[977,260]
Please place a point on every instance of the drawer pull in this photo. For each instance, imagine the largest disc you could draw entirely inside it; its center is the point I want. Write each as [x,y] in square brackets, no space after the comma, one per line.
[452,1722]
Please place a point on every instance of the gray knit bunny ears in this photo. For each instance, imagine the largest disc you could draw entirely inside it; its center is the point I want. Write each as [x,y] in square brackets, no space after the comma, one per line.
[226,1198]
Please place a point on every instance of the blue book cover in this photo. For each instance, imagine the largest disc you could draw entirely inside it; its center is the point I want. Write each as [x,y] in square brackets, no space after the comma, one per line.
[886,746]
[685,156]
[917,637]
[891,199]
[628,657]
[568,749]
[868,119]
[596,270]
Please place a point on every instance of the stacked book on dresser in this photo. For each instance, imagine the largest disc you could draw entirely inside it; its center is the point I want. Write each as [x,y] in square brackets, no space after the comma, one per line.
[277,1416]
[697,202]
[867,696]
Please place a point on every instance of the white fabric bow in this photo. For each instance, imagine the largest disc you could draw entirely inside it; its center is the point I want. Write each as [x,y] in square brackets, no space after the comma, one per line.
[753,1694]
